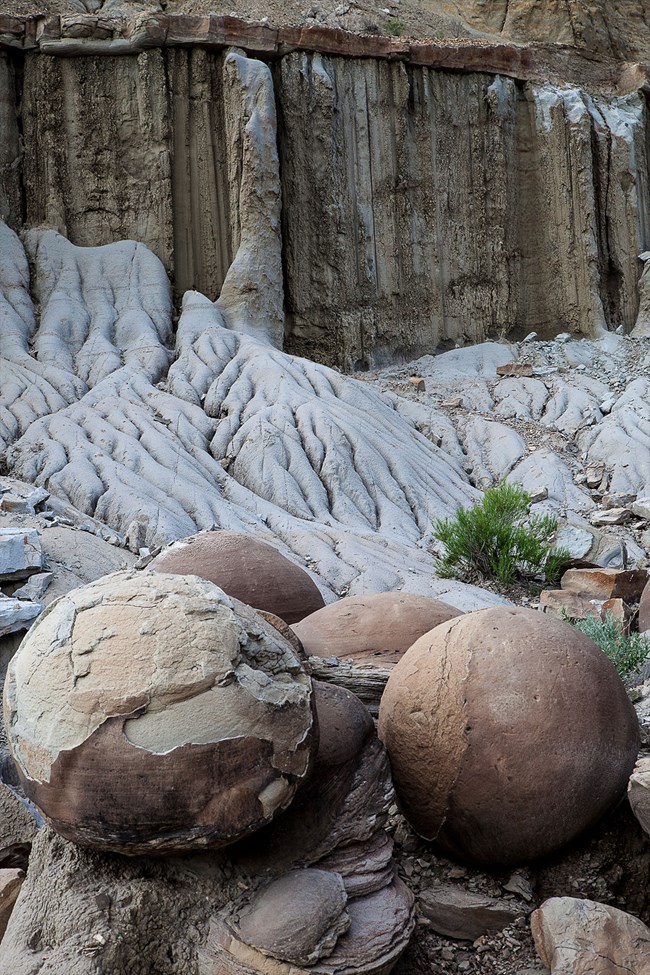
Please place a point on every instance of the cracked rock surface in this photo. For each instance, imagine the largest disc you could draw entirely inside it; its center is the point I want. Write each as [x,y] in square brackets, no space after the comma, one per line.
[149,712]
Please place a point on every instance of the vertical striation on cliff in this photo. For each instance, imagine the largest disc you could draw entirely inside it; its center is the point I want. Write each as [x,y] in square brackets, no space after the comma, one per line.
[420,207]
[427,206]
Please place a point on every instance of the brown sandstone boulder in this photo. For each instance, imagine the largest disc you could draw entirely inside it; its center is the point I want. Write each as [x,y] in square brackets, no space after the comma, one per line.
[626,584]
[508,732]
[582,937]
[638,792]
[149,712]
[250,570]
[372,629]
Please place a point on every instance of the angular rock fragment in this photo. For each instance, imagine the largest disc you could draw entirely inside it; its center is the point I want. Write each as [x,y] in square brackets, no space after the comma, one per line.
[149,712]
[524,369]
[247,569]
[626,584]
[471,717]
[20,553]
[582,937]
[458,913]
[17,615]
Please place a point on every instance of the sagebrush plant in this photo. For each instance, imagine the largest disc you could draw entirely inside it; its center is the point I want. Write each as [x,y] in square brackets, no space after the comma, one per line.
[626,651]
[498,539]
[394,26]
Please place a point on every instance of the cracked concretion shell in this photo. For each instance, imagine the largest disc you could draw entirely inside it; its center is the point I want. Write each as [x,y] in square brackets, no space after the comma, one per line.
[509,733]
[151,713]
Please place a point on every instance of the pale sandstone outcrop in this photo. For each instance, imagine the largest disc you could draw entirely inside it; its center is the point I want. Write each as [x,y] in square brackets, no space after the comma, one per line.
[471,718]
[583,937]
[148,712]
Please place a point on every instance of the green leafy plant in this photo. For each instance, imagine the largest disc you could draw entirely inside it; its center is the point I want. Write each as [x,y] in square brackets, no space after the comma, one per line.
[626,651]
[394,26]
[497,539]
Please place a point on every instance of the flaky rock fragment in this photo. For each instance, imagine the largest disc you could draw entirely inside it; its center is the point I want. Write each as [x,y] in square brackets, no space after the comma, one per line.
[297,918]
[379,931]
[149,712]
[249,570]
[342,806]
[506,710]
[458,913]
[582,937]
[372,629]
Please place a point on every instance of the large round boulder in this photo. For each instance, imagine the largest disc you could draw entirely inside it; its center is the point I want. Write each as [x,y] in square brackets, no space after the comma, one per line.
[150,712]
[508,732]
[373,629]
[250,570]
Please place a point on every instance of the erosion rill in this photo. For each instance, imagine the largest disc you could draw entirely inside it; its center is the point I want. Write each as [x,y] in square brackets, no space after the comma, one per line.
[431,191]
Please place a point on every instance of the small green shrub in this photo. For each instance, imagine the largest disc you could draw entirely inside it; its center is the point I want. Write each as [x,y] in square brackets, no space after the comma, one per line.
[627,652]
[497,539]
[394,26]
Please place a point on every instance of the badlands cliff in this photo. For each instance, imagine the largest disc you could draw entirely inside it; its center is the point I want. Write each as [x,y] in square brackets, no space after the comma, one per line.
[430,191]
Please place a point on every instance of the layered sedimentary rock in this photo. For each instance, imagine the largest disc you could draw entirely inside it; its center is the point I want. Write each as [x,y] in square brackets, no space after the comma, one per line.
[430,191]
[427,197]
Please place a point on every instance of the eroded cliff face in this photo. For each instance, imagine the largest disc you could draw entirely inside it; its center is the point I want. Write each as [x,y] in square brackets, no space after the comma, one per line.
[420,205]
[449,207]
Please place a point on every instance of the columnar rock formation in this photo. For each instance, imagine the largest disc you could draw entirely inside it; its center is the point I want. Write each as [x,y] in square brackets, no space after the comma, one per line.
[421,205]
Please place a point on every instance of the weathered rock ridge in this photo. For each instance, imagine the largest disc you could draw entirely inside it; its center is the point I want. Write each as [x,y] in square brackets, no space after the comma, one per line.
[430,192]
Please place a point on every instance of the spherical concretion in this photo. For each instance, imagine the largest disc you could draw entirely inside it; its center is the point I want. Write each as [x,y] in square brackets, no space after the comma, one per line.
[375,628]
[250,570]
[509,732]
[150,712]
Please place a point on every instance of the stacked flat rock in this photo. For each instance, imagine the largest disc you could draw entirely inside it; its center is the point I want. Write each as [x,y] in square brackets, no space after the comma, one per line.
[325,894]
[357,641]
[149,712]
[509,733]
[247,569]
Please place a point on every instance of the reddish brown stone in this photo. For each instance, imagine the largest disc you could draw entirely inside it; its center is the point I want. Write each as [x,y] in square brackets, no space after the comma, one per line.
[250,570]
[624,584]
[515,369]
[509,733]
[373,629]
